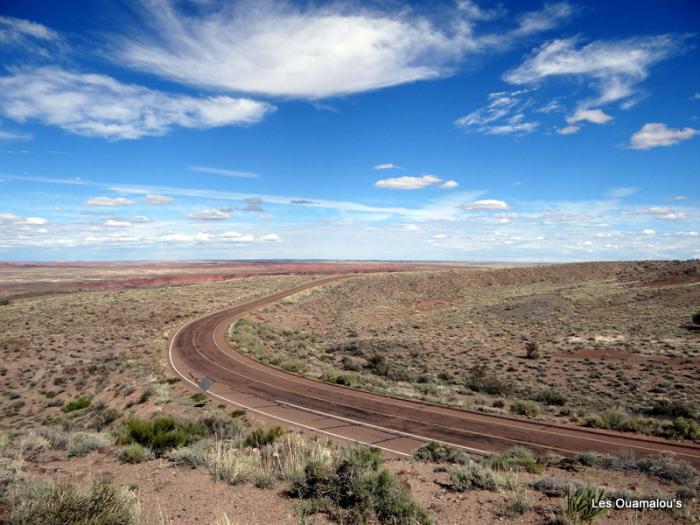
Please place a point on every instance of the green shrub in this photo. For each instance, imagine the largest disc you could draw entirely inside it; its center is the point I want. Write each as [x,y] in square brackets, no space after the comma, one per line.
[472,476]
[77,404]
[59,504]
[579,506]
[134,453]
[355,488]
[223,427]
[671,408]
[551,396]
[82,443]
[191,456]
[681,428]
[517,458]
[525,408]
[161,434]
[440,452]
[199,397]
[260,437]
[481,380]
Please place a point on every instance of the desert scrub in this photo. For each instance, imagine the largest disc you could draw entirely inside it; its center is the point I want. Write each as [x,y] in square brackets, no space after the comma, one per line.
[261,437]
[678,428]
[82,443]
[481,379]
[30,502]
[517,458]
[134,453]
[162,433]
[77,404]
[440,453]
[579,505]
[221,426]
[356,488]
[190,456]
[231,464]
[525,408]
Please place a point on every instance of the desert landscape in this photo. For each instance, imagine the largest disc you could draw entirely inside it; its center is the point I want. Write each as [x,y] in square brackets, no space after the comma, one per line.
[93,411]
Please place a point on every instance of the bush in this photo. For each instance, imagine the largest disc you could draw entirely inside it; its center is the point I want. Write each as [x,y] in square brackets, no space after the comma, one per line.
[227,463]
[259,437]
[191,456]
[481,380]
[161,434]
[532,350]
[355,487]
[48,504]
[579,504]
[681,428]
[525,408]
[82,443]
[472,476]
[556,487]
[516,458]
[551,396]
[440,452]
[671,408]
[223,427]
[134,453]
[77,404]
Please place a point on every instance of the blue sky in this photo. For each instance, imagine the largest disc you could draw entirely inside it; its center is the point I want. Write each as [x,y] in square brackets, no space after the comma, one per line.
[469,131]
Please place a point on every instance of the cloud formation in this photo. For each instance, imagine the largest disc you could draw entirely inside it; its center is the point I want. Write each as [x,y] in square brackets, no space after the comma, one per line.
[657,134]
[157,200]
[108,201]
[210,214]
[98,105]
[486,204]
[614,68]
[224,172]
[279,49]
[407,183]
[503,115]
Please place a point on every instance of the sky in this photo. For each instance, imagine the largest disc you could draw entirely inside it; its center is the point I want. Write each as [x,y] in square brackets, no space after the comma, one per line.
[456,131]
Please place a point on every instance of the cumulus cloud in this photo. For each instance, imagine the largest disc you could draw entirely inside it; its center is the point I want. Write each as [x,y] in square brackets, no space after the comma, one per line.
[237,237]
[157,200]
[656,134]
[568,130]
[649,232]
[407,183]
[16,219]
[386,166]
[281,49]
[224,172]
[98,105]
[108,201]
[596,116]
[449,185]
[614,68]
[486,204]
[210,214]
[270,237]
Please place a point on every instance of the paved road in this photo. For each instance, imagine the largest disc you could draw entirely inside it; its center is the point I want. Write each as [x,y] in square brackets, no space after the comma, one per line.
[200,349]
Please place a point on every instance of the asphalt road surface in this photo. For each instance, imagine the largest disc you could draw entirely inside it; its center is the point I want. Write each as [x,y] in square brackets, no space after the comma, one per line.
[200,350]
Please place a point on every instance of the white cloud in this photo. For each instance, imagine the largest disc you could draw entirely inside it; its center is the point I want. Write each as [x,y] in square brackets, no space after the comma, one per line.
[11,135]
[621,191]
[659,212]
[270,237]
[98,105]
[117,224]
[31,36]
[486,204]
[596,116]
[649,232]
[688,234]
[656,134]
[252,204]
[224,172]
[501,116]
[568,130]
[613,67]
[449,185]
[108,201]
[157,200]
[237,237]
[16,219]
[280,49]
[210,214]
[386,166]
[407,183]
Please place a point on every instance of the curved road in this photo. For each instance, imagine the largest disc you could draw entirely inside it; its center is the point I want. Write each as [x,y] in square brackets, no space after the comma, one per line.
[200,350]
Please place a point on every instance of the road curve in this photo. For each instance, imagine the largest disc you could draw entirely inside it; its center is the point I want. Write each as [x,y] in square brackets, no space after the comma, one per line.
[200,349]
